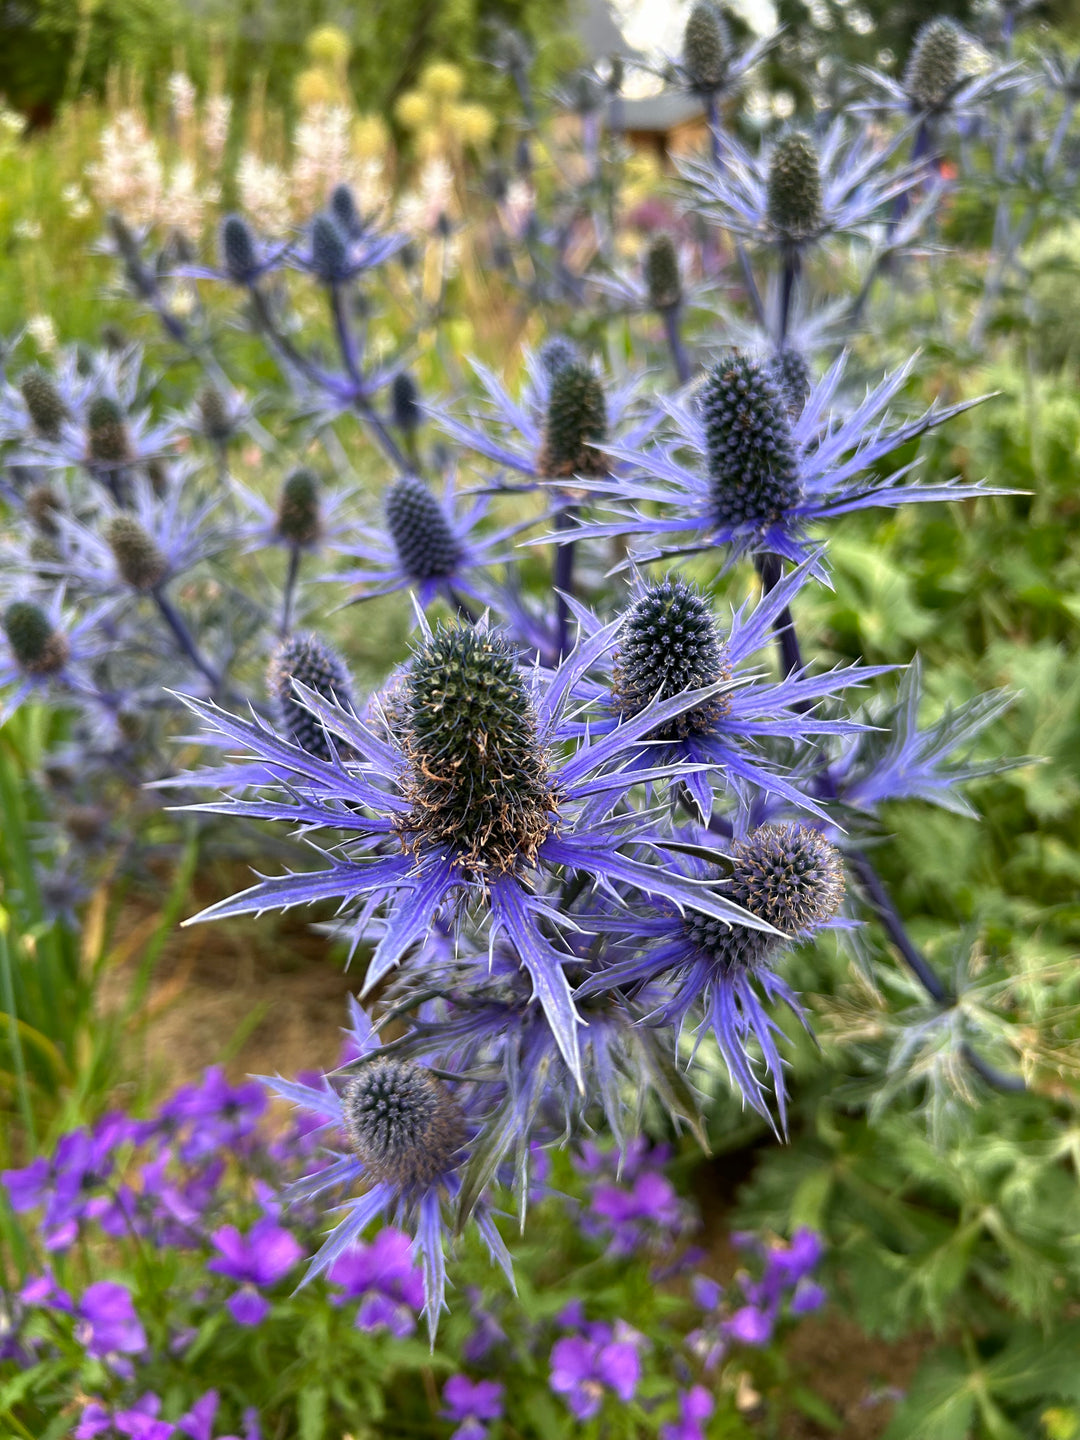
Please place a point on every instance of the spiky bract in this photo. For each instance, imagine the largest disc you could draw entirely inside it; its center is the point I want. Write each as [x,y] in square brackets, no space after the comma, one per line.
[479,780]
[403,1124]
[426,545]
[557,352]
[576,422]
[313,663]
[670,643]
[38,647]
[662,274]
[405,402]
[752,460]
[138,557]
[933,67]
[43,402]
[106,433]
[299,520]
[794,201]
[238,255]
[329,250]
[793,379]
[705,47]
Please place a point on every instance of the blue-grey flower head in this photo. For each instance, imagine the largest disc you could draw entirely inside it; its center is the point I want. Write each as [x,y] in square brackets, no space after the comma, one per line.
[794,198]
[933,67]
[426,545]
[557,352]
[214,417]
[403,1124]
[43,505]
[576,422]
[329,250]
[662,277]
[706,47]
[313,663]
[405,402]
[479,779]
[43,402]
[37,646]
[239,258]
[107,440]
[299,519]
[138,558]
[670,643]
[752,459]
[343,208]
[791,372]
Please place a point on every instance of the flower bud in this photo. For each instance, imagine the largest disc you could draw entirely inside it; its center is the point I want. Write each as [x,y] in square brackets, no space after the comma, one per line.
[238,256]
[312,662]
[138,559]
[405,402]
[933,67]
[426,545]
[576,422]
[670,643]
[299,519]
[662,274]
[794,196]
[751,453]
[106,433]
[43,403]
[329,251]
[37,647]
[705,47]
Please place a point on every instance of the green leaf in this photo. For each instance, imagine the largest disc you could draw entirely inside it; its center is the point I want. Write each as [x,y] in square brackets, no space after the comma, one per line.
[311,1412]
[940,1404]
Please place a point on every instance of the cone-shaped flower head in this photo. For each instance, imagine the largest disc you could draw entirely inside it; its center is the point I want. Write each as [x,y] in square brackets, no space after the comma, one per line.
[479,781]
[576,421]
[794,200]
[670,643]
[751,453]
[788,875]
[403,1124]
[329,250]
[343,209]
[425,543]
[43,401]
[299,520]
[238,255]
[313,663]
[138,558]
[705,47]
[214,416]
[106,434]
[405,402]
[933,66]
[557,352]
[38,648]
[662,274]
[792,375]
[43,505]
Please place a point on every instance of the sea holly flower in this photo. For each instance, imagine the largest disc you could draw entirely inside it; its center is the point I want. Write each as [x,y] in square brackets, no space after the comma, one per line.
[481,776]
[471,1405]
[308,517]
[44,646]
[709,65]
[384,1277]
[757,479]
[583,1369]
[257,1259]
[408,1132]
[670,641]
[308,660]
[336,253]
[940,80]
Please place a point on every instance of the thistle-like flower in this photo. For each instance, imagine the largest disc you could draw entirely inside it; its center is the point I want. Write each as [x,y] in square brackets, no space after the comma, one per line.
[556,352]
[706,47]
[41,646]
[662,278]
[309,660]
[750,449]
[575,423]
[299,515]
[404,1126]
[793,192]
[139,561]
[405,403]
[44,403]
[793,379]
[37,647]
[107,441]
[933,68]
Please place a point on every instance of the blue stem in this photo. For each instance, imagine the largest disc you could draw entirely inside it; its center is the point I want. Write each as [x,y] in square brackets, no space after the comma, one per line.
[679,357]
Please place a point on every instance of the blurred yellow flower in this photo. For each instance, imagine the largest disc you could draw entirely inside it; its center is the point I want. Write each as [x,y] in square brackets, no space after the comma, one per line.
[442,80]
[473,124]
[429,142]
[371,138]
[329,45]
[412,110]
[315,87]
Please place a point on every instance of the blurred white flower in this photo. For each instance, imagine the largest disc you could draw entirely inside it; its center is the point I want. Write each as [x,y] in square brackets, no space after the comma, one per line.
[42,331]
[28,229]
[11,121]
[78,206]
[181,96]
[323,155]
[420,209]
[183,205]
[128,177]
[264,193]
[215,129]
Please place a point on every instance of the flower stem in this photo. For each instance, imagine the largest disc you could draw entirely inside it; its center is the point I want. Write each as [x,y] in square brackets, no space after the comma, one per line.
[679,358]
[176,624]
[295,556]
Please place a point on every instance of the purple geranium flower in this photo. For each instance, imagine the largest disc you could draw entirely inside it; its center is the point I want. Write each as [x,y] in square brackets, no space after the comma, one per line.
[472,1404]
[386,1280]
[582,1368]
[261,1257]
[695,1407]
[107,1324]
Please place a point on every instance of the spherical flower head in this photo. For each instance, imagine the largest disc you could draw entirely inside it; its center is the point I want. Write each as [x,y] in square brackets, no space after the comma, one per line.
[343,209]
[237,244]
[662,274]
[43,505]
[313,663]
[425,543]
[576,422]
[442,80]
[751,451]
[670,643]
[138,558]
[794,202]
[329,250]
[214,416]
[299,520]
[42,399]
[37,647]
[792,375]
[405,402]
[557,352]
[933,66]
[403,1124]
[328,45]
[479,779]
[705,47]
[106,434]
